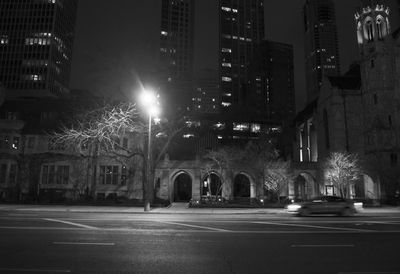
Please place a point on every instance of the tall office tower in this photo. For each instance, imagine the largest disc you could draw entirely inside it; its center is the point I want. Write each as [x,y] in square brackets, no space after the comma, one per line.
[321,44]
[36,38]
[241,29]
[176,52]
[277,64]
[278,82]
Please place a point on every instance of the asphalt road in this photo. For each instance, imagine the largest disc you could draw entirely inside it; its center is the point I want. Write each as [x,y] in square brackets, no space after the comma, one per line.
[62,242]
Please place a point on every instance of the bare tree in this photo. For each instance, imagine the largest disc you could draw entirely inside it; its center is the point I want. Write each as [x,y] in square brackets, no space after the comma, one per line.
[98,131]
[259,158]
[220,160]
[277,176]
[342,169]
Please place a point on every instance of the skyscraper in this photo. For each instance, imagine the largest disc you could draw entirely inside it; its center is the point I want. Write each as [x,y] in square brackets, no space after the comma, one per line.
[241,31]
[277,64]
[176,53]
[36,38]
[321,44]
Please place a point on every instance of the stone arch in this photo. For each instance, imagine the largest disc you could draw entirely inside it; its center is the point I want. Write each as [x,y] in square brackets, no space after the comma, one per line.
[381,27]
[242,186]
[182,186]
[211,185]
[369,31]
[304,186]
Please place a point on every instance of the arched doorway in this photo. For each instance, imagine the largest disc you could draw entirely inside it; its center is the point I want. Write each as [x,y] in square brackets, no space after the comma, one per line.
[300,188]
[241,186]
[182,188]
[304,187]
[211,185]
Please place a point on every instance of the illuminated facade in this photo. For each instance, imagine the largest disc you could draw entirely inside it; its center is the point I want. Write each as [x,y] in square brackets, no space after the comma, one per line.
[321,44]
[36,38]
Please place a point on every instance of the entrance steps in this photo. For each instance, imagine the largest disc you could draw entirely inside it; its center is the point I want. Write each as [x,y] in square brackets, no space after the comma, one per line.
[179,205]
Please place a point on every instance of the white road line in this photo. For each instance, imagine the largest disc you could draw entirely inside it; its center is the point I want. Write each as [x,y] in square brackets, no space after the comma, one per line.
[71,223]
[363,272]
[203,230]
[41,270]
[81,243]
[314,226]
[196,226]
[349,245]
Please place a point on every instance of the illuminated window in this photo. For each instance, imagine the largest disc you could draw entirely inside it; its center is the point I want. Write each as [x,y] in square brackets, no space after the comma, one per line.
[228,65]
[255,128]
[234,10]
[241,126]
[226,104]
[226,79]
[188,135]
[226,9]
[3,39]
[164,33]
[226,50]
[219,125]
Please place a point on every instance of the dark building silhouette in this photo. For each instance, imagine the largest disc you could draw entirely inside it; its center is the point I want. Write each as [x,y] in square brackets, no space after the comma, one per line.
[277,66]
[321,44]
[176,54]
[36,38]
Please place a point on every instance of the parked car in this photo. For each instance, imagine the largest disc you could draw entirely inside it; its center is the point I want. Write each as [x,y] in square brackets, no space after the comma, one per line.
[325,205]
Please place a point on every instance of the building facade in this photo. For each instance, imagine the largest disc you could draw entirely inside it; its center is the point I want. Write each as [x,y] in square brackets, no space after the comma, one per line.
[36,46]
[321,44]
[358,112]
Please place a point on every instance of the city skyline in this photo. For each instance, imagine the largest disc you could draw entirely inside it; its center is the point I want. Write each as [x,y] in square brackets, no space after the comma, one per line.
[99,61]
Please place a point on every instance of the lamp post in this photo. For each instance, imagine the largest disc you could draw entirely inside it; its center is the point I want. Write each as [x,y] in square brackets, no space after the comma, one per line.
[149,101]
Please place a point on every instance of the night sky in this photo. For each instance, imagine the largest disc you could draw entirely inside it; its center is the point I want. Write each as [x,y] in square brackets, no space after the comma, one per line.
[117,44]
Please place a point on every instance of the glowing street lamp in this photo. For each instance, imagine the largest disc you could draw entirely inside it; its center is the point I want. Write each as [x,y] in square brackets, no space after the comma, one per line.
[149,100]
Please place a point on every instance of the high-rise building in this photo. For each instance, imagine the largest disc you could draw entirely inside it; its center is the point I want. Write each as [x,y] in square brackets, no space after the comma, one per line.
[241,29]
[321,44]
[277,67]
[36,38]
[176,53]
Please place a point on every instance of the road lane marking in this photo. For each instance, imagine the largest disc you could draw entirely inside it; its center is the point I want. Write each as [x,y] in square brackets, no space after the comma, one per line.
[363,272]
[314,226]
[196,226]
[40,270]
[82,243]
[348,245]
[211,230]
[71,223]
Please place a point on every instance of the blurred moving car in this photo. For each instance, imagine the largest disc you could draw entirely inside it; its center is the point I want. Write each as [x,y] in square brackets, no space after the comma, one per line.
[325,205]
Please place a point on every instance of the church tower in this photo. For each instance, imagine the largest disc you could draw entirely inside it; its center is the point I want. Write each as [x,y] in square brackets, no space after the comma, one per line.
[380,92]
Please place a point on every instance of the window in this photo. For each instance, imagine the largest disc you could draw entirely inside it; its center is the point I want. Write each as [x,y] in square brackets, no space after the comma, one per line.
[109,175]
[55,174]
[369,29]
[123,175]
[12,176]
[372,63]
[240,127]
[390,120]
[3,173]
[15,144]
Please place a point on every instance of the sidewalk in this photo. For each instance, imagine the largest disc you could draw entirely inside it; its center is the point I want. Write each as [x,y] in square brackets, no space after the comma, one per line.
[167,210]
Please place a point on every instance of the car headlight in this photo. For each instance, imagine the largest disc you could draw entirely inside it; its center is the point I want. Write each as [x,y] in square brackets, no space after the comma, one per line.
[293,207]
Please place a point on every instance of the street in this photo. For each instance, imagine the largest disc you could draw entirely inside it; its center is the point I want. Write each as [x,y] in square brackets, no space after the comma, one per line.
[98,242]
